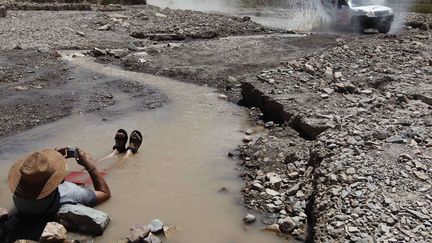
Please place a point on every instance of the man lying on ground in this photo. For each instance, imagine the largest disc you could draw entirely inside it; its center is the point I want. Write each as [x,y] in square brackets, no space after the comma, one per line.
[39,188]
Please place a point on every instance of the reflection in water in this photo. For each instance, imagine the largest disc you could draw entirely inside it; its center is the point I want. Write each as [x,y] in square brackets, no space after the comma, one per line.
[176,174]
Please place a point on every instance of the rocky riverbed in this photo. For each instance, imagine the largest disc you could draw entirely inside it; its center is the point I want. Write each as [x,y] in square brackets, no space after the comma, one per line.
[347,155]
[352,153]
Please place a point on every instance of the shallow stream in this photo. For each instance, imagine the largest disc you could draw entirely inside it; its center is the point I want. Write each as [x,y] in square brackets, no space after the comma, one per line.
[178,171]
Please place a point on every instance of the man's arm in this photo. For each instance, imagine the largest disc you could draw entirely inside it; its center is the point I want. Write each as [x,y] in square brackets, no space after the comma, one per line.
[102,190]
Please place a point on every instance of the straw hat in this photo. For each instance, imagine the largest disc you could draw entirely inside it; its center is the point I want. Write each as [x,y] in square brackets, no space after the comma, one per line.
[37,175]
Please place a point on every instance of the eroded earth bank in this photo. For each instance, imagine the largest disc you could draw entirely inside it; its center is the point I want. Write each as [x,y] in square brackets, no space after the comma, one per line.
[347,151]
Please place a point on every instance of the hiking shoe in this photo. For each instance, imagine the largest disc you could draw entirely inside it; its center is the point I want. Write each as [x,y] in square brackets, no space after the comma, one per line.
[120,138]
[135,141]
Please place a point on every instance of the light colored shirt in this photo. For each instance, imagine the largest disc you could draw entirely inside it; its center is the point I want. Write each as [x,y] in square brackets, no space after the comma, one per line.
[66,193]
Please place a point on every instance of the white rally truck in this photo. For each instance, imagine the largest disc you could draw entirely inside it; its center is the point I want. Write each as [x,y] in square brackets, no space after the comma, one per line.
[359,14]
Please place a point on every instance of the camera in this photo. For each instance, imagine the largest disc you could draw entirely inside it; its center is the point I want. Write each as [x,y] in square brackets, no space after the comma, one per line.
[71,153]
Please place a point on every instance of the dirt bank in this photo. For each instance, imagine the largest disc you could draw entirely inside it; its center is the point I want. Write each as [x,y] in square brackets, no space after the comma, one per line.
[38,87]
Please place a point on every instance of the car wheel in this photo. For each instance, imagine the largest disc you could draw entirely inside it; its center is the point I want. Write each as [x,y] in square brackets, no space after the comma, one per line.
[357,26]
[384,27]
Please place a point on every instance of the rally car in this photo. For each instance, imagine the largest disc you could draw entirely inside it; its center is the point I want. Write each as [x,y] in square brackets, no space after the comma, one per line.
[359,14]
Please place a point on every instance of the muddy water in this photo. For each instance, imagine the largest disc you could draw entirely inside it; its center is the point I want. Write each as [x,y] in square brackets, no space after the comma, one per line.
[177,173]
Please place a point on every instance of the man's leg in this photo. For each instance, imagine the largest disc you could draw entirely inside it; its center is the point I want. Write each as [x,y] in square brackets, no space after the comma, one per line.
[135,142]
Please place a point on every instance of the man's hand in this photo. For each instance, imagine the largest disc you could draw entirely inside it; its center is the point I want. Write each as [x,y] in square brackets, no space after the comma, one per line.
[84,159]
[63,151]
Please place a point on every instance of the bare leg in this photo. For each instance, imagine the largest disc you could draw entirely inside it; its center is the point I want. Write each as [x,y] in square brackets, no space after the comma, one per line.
[109,156]
[119,162]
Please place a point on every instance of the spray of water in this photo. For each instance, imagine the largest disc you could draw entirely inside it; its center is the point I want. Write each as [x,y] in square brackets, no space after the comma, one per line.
[400,8]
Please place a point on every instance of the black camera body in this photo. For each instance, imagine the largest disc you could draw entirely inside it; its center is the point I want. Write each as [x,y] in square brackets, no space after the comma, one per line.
[71,153]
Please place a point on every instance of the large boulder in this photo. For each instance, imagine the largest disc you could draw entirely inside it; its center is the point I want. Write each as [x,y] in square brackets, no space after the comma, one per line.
[53,232]
[83,219]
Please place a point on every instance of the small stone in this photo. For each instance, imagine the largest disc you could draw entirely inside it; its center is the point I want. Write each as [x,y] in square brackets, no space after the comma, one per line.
[80,33]
[300,194]
[384,229]
[352,229]
[420,166]
[156,226]
[271,192]
[98,52]
[278,202]
[395,139]
[327,90]
[352,141]
[247,139]
[406,157]
[387,201]
[222,97]
[269,124]
[287,225]
[231,79]
[104,27]
[53,232]
[160,15]
[338,75]
[418,214]
[132,47]
[78,55]
[249,218]
[152,239]
[345,87]
[20,88]
[293,190]
[257,186]
[138,233]
[249,132]
[344,193]
[421,175]
[351,171]
[366,91]
[274,181]
[272,228]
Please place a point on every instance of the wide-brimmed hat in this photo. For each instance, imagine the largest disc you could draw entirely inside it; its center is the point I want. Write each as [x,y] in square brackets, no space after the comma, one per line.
[38,174]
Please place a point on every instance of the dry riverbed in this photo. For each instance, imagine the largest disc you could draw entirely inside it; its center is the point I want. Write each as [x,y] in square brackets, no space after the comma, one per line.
[348,153]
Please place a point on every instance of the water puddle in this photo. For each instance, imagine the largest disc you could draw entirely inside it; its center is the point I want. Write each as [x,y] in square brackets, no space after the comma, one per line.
[177,173]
